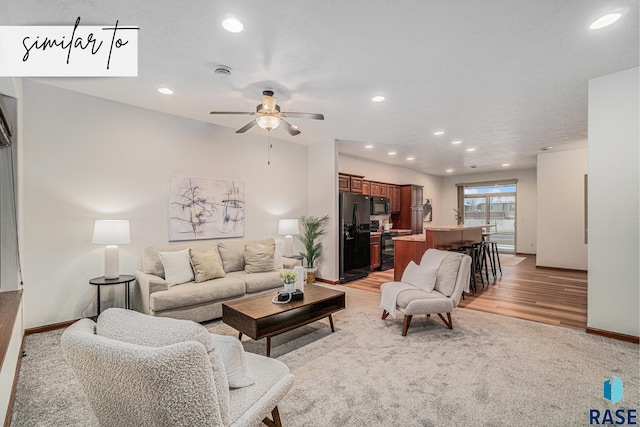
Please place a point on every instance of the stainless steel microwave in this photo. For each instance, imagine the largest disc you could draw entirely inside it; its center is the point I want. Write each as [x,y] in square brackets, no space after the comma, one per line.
[380,206]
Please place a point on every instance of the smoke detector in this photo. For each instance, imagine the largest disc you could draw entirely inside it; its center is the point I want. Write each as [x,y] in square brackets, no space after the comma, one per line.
[222,72]
[473,166]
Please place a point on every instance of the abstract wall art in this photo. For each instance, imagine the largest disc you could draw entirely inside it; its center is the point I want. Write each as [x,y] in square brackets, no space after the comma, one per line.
[201,208]
[427,208]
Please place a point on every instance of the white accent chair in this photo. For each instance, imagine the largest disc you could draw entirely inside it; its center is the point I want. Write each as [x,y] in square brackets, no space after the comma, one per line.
[452,279]
[139,370]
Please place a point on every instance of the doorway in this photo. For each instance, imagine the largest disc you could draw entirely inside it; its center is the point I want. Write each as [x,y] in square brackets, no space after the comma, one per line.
[494,205]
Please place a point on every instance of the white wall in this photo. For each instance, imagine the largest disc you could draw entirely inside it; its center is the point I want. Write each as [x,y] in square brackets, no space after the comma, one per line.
[614,203]
[561,219]
[87,158]
[526,209]
[375,171]
[323,200]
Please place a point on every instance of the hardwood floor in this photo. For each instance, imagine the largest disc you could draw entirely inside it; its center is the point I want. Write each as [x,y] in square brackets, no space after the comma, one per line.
[552,296]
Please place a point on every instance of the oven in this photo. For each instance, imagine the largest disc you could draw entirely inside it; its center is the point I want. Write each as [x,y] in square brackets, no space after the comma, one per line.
[387,249]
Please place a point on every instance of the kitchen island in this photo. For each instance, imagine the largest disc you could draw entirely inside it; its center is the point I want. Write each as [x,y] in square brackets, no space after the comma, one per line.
[411,248]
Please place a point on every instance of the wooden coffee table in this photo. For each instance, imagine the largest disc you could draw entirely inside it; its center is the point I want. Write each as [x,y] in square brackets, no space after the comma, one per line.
[258,317]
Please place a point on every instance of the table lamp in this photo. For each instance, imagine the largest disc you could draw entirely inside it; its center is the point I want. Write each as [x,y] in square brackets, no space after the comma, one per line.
[288,227]
[111,233]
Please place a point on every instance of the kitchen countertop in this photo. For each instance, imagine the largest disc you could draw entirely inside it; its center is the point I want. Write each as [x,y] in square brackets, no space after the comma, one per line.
[454,227]
[395,230]
[412,238]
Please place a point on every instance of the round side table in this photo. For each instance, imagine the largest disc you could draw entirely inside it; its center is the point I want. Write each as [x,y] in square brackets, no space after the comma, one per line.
[123,278]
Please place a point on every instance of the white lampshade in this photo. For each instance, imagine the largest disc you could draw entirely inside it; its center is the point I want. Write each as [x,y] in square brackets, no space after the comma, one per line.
[111,232]
[288,226]
[268,122]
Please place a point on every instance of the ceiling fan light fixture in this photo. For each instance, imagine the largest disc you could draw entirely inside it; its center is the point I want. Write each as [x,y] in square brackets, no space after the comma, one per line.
[268,103]
[268,122]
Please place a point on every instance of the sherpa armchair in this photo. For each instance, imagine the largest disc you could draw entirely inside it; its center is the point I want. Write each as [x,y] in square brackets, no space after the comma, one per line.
[434,286]
[139,370]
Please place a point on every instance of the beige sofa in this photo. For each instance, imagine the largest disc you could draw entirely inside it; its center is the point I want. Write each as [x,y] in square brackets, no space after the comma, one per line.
[202,301]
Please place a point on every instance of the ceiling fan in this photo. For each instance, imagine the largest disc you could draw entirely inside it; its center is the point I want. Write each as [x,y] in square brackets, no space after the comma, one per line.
[270,116]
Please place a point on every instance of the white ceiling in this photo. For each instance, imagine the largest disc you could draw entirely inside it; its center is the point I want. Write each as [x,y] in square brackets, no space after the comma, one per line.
[505,77]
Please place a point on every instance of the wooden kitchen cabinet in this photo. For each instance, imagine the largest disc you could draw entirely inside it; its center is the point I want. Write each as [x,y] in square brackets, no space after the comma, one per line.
[394,198]
[366,188]
[383,190]
[375,188]
[411,210]
[375,251]
[350,183]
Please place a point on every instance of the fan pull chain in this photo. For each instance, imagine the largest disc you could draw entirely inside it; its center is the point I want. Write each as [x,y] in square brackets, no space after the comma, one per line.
[268,146]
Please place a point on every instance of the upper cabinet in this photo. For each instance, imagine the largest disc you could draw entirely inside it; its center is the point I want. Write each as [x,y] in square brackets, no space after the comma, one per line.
[350,183]
[411,210]
[394,198]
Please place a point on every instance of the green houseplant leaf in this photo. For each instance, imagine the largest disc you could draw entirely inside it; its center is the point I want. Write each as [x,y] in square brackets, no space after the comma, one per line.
[313,228]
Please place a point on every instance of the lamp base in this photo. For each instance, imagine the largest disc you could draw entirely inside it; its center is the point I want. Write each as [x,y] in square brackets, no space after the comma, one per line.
[111,262]
[288,245]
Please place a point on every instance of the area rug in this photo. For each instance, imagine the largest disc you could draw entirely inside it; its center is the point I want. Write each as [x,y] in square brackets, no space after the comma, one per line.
[511,260]
[489,370]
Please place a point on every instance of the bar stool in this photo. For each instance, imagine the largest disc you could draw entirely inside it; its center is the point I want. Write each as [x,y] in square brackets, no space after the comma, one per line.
[495,254]
[472,279]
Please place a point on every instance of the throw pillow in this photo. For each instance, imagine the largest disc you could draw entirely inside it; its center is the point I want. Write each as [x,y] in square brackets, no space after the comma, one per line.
[235,364]
[448,274]
[207,266]
[277,255]
[177,267]
[420,277]
[257,260]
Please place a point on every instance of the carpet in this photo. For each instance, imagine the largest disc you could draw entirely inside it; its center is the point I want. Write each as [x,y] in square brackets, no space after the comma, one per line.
[489,370]
[511,260]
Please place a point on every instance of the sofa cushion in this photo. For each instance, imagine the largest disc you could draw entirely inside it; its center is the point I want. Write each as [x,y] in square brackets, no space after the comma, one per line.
[192,293]
[424,302]
[151,263]
[259,260]
[256,282]
[232,252]
[448,273]
[206,266]
[177,267]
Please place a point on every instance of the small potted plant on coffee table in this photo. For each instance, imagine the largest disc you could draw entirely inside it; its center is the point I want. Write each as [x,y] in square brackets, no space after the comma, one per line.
[312,230]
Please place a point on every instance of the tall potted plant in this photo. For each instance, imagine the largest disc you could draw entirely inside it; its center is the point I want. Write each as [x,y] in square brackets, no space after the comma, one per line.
[312,230]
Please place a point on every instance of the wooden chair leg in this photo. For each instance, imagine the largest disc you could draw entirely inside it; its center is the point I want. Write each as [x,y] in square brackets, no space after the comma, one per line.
[447,321]
[276,419]
[385,313]
[405,325]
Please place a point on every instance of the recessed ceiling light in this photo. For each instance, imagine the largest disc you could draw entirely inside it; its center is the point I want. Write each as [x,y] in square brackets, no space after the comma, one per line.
[391,153]
[368,146]
[378,98]
[505,164]
[456,142]
[471,149]
[546,148]
[605,20]
[449,170]
[439,132]
[232,25]
[165,91]
[411,158]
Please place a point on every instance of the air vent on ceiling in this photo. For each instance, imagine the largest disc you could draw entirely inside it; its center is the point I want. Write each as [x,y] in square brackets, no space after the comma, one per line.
[222,72]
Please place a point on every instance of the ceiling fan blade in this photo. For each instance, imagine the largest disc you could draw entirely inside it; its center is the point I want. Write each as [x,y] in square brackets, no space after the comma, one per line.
[293,130]
[232,112]
[246,127]
[304,115]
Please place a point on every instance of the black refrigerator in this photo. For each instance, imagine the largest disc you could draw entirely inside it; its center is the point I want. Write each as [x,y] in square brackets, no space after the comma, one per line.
[355,259]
